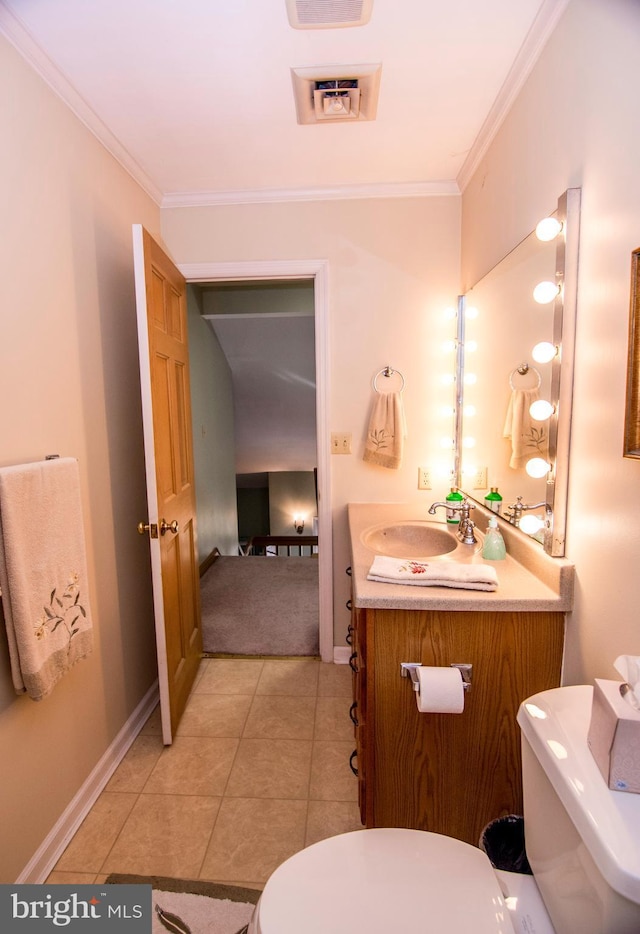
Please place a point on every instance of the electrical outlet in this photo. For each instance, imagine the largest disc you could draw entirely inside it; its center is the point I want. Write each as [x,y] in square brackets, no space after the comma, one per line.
[341,443]
[480,478]
[424,478]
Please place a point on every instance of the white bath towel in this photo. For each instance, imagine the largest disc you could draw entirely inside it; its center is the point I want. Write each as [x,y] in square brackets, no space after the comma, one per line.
[529,438]
[43,573]
[433,573]
[387,431]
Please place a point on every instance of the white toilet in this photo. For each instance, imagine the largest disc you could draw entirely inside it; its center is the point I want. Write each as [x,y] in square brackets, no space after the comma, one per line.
[583,844]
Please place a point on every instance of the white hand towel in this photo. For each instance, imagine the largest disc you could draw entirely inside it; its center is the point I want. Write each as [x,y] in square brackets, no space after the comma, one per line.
[43,573]
[387,431]
[529,438]
[433,574]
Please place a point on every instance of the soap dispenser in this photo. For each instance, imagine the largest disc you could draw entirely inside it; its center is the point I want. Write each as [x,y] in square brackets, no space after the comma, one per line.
[493,546]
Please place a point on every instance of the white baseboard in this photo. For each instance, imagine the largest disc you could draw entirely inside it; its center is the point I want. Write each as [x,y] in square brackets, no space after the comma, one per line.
[48,853]
[341,654]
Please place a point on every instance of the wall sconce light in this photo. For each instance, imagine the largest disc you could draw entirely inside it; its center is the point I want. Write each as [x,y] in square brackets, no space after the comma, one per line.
[548,229]
[545,292]
[298,524]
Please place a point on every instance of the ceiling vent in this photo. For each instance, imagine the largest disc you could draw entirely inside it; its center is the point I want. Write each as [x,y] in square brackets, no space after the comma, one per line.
[336,93]
[328,14]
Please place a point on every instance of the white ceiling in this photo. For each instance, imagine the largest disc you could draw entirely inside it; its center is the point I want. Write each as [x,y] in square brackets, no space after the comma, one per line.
[195,96]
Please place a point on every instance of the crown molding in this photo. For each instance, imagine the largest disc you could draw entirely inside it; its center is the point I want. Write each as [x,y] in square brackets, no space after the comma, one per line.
[16,33]
[530,51]
[198,199]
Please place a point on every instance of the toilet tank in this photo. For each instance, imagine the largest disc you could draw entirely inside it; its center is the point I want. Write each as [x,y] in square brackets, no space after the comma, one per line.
[582,839]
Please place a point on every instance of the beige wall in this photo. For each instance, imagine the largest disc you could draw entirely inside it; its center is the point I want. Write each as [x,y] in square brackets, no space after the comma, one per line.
[69,385]
[575,123]
[393,269]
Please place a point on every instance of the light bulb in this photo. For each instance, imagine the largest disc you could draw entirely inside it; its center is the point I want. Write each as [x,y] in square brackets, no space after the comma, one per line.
[470,379]
[548,228]
[531,524]
[544,352]
[447,379]
[545,292]
[541,410]
[538,467]
[469,410]
[468,442]
[450,313]
[471,312]
[471,346]
[449,346]
[446,442]
[447,411]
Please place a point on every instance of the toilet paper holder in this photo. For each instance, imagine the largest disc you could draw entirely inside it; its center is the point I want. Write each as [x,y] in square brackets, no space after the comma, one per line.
[408,670]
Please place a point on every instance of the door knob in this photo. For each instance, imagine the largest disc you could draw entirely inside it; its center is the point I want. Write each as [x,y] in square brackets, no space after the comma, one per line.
[152,529]
[168,527]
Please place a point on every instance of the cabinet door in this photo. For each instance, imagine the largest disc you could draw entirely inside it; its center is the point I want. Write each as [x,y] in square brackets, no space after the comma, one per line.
[453,773]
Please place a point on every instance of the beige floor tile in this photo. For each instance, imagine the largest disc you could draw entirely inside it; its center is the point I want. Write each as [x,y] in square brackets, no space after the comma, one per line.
[331,775]
[193,765]
[215,715]
[270,768]
[88,848]
[252,837]
[229,676]
[332,719]
[328,818]
[71,878]
[137,765]
[165,835]
[297,676]
[153,724]
[335,680]
[278,717]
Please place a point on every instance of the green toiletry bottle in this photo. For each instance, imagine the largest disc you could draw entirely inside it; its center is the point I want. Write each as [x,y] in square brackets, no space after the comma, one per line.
[493,500]
[493,546]
[455,497]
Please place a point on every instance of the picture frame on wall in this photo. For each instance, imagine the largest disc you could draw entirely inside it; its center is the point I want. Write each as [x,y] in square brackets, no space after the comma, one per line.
[632,414]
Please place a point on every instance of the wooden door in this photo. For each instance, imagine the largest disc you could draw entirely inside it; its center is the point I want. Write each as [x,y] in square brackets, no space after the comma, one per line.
[171,523]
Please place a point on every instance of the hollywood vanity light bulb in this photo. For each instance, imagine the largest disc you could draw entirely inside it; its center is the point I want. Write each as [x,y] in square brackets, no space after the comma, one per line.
[541,410]
[471,312]
[538,467]
[531,524]
[545,292]
[548,229]
[544,352]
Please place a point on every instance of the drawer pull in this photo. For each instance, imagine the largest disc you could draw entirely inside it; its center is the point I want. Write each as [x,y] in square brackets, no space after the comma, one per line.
[354,755]
[352,665]
[352,713]
[348,605]
[349,636]
[348,572]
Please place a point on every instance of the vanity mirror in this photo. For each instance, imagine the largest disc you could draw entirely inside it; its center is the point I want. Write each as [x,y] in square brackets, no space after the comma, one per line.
[516,342]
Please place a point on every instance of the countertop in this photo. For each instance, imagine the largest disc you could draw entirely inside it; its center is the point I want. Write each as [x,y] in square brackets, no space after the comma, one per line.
[528,579]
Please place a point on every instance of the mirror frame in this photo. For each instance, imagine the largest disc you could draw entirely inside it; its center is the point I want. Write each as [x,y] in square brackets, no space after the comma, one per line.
[564,326]
[632,413]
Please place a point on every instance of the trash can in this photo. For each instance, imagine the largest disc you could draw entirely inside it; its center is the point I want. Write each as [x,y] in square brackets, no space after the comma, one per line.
[503,842]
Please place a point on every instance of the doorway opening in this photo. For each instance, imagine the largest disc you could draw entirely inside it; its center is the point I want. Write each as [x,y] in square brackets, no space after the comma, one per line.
[238,301]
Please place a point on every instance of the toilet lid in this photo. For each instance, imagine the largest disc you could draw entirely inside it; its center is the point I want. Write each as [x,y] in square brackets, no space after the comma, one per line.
[383,880]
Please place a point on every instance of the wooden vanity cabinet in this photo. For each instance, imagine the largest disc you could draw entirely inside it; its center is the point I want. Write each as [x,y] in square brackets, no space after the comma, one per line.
[448,773]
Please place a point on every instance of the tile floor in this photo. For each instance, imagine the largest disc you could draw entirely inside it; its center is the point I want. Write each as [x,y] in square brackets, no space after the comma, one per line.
[259,769]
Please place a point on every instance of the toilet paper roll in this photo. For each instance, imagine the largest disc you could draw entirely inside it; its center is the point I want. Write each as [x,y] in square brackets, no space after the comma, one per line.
[441,690]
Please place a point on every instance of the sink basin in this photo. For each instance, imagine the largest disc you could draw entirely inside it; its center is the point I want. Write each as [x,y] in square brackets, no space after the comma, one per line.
[410,539]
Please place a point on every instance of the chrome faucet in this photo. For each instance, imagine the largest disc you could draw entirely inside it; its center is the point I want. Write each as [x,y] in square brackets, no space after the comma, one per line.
[465,526]
[515,510]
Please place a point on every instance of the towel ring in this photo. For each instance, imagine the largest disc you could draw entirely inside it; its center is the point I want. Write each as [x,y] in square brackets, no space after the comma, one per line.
[522,370]
[387,371]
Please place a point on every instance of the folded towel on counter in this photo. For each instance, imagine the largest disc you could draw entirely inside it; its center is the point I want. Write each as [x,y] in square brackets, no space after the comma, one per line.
[433,574]
[529,438]
[387,431]
[43,573]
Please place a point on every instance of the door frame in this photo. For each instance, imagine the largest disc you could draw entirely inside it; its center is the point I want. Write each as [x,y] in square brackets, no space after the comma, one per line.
[318,271]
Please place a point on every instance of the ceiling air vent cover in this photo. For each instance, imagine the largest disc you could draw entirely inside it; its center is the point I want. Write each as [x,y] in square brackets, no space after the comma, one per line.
[328,14]
[331,93]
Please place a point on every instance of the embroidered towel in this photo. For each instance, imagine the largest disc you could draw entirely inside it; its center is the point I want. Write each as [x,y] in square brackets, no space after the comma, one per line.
[529,438]
[433,574]
[387,430]
[43,573]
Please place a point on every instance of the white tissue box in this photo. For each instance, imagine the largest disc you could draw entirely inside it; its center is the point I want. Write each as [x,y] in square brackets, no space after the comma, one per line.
[614,737]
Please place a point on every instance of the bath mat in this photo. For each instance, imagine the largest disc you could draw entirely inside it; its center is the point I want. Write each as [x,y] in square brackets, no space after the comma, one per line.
[195,906]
